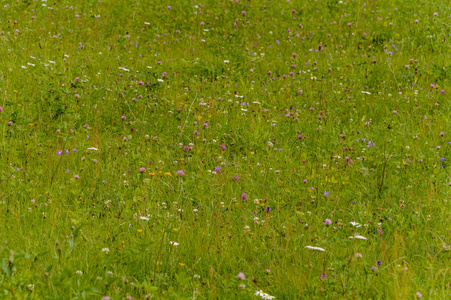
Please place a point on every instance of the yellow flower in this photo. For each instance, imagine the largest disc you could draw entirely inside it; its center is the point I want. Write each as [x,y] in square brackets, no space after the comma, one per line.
[174,229]
[168,174]
[152,174]
[140,230]
[15,91]
[181,264]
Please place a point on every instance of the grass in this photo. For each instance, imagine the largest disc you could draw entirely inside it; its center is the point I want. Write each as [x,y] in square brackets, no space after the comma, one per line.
[195,151]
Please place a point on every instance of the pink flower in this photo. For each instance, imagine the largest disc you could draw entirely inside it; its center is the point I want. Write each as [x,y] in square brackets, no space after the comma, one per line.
[419,295]
[142,169]
[358,255]
[243,13]
[243,197]
[1,108]
[169,8]
[180,173]
[241,276]
[77,96]
[327,222]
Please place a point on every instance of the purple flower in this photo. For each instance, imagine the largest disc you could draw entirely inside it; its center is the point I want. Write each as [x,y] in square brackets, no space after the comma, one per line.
[123,117]
[379,263]
[243,196]
[1,108]
[76,176]
[223,147]
[358,255]
[241,276]
[142,169]
[326,193]
[180,173]
[327,222]
[59,152]
[419,295]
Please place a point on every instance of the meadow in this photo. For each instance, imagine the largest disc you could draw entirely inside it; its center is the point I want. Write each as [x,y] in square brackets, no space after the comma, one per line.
[225,149]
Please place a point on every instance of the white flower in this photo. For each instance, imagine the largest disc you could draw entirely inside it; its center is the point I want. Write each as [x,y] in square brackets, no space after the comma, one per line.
[368,93]
[105,250]
[160,80]
[173,244]
[355,224]
[144,218]
[226,61]
[92,148]
[314,248]
[78,272]
[359,237]
[196,276]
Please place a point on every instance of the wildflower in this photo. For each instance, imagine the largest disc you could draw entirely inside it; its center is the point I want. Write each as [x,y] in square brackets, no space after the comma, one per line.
[327,222]
[173,244]
[78,272]
[105,250]
[358,255]
[76,176]
[243,196]
[180,173]
[359,237]
[419,295]
[241,276]
[123,117]
[326,193]
[355,224]
[314,248]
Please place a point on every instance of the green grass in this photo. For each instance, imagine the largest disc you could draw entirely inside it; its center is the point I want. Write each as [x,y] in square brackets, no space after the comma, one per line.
[281,121]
